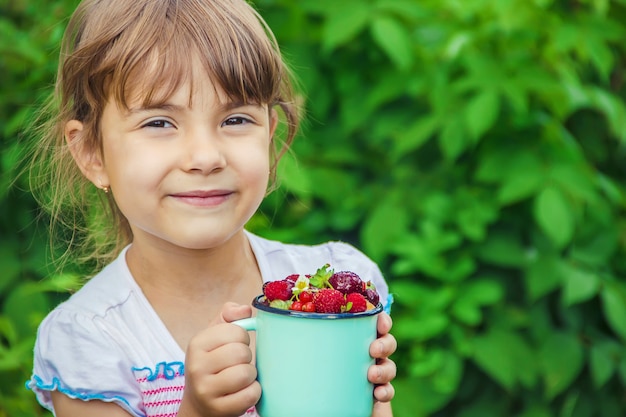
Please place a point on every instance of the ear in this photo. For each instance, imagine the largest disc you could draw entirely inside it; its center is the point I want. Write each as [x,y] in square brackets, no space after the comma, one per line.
[88,160]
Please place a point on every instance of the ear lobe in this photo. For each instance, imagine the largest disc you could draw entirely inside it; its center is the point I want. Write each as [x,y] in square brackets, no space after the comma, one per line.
[88,160]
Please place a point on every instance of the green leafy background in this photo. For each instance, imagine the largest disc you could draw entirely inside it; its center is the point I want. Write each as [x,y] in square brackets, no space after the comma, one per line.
[473,148]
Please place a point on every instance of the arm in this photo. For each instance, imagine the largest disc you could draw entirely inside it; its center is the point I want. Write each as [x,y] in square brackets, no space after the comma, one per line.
[384,371]
[65,406]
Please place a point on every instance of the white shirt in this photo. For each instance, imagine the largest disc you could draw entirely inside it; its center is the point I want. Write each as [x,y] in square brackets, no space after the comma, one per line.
[107,343]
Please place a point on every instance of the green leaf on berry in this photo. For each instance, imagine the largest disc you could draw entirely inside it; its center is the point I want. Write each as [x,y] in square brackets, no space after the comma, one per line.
[349,306]
[321,277]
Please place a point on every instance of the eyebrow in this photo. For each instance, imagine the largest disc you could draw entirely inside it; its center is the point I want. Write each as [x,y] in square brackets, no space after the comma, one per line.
[152,107]
[226,106]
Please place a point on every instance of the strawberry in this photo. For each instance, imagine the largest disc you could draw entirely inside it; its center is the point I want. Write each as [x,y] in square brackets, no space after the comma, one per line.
[278,290]
[308,307]
[328,300]
[356,303]
[346,281]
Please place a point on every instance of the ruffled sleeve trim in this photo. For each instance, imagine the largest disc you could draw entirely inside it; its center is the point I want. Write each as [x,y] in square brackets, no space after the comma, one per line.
[38,386]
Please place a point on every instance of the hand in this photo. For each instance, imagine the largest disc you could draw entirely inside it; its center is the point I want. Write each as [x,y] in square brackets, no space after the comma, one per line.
[220,379]
[384,371]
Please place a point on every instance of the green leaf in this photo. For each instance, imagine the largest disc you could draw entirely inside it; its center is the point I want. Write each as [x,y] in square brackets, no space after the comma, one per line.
[504,250]
[344,24]
[393,38]
[452,139]
[483,291]
[481,113]
[543,275]
[425,328]
[415,136]
[504,356]
[602,362]
[614,308]
[293,176]
[9,262]
[553,213]
[26,306]
[378,233]
[562,359]
[580,285]
[519,187]
[419,397]
[467,312]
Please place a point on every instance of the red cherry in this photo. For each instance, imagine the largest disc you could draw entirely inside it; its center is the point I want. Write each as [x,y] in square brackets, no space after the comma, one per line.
[306,297]
[296,306]
[308,307]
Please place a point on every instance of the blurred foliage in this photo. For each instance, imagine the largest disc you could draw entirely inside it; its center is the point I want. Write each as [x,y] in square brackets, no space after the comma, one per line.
[473,148]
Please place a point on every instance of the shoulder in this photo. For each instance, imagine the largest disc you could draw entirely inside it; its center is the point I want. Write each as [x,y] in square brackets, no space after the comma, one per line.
[111,287]
[81,347]
[277,260]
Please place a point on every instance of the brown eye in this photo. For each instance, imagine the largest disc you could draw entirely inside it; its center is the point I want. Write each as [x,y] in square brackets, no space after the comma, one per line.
[235,121]
[158,123]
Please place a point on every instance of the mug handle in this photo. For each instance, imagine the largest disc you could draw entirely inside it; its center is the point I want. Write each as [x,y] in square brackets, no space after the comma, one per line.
[247,324]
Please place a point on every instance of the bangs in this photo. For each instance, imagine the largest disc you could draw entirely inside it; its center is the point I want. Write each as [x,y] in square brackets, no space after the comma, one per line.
[153,56]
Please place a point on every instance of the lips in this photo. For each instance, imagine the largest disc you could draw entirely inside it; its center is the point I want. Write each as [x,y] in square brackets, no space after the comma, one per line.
[202,198]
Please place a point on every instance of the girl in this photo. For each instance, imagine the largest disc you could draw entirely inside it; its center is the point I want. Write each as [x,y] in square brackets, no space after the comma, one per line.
[169,107]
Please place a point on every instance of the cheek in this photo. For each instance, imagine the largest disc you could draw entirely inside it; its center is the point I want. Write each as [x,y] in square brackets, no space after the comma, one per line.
[126,165]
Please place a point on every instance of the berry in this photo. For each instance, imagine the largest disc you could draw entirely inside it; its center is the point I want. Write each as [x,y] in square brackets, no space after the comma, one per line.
[296,306]
[372,296]
[306,296]
[328,300]
[308,307]
[278,290]
[292,277]
[356,303]
[347,282]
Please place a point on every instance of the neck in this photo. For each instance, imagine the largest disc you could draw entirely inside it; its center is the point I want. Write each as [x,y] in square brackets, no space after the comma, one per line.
[213,273]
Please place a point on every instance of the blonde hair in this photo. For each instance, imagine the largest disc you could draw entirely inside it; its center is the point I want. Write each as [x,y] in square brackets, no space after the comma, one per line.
[109,50]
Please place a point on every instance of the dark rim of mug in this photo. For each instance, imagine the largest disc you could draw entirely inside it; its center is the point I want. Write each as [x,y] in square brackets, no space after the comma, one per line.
[256,303]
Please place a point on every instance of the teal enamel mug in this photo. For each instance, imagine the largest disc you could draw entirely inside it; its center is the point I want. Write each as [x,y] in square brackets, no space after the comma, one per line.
[313,364]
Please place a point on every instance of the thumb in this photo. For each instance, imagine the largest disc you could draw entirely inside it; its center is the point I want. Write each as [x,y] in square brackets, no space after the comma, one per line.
[232,311]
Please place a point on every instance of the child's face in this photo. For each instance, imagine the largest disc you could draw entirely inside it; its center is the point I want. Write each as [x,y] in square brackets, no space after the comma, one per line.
[189,173]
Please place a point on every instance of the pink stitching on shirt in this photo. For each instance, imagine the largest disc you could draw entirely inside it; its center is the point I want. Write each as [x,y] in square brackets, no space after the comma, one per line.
[160,403]
[163,389]
[160,376]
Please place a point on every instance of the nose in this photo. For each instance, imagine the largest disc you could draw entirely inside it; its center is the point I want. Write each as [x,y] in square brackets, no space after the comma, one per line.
[203,151]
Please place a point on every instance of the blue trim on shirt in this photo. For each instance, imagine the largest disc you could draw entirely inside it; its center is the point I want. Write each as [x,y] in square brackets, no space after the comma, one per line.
[56,386]
[167,369]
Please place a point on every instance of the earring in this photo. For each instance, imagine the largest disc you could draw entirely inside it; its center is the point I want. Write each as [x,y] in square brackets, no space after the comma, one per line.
[105,188]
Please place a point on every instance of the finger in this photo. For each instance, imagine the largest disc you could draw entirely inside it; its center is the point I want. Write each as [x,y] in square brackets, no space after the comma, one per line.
[233,379]
[384,323]
[227,356]
[384,393]
[383,372]
[231,311]
[212,338]
[238,402]
[383,347]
